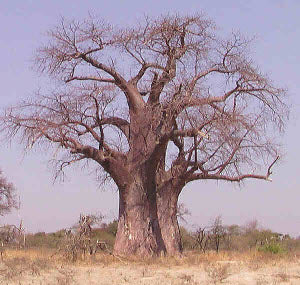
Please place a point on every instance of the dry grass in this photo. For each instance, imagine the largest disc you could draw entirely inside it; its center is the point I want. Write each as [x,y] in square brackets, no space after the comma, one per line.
[42,267]
[217,272]
[13,269]
[283,277]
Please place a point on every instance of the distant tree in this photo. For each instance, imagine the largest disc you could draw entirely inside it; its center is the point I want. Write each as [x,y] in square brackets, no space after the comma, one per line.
[234,230]
[7,196]
[202,238]
[251,226]
[217,233]
[155,106]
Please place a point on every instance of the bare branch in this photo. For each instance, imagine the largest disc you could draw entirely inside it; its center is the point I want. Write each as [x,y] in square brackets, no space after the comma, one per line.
[91,78]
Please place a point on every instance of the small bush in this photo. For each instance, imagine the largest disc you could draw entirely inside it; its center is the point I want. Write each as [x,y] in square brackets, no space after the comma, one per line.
[217,272]
[274,248]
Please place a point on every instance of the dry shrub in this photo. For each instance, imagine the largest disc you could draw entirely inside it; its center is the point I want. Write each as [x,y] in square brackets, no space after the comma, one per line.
[261,281]
[253,265]
[217,272]
[66,277]
[77,242]
[283,277]
[146,272]
[39,264]
[187,279]
[13,268]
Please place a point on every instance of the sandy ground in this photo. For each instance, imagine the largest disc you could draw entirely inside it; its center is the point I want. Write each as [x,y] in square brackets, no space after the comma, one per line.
[259,271]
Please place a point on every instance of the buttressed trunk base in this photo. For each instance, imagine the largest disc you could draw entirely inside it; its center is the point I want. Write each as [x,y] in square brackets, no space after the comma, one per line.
[138,228]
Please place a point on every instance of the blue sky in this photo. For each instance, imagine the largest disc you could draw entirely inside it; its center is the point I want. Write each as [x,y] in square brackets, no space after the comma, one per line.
[46,206]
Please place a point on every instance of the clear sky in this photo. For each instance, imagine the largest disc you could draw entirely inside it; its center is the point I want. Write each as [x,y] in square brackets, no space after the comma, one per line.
[46,206]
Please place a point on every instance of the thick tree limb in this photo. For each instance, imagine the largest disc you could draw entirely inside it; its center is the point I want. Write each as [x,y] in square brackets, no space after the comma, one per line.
[134,98]
[190,132]
[143,70]
[204,176]
[90,78]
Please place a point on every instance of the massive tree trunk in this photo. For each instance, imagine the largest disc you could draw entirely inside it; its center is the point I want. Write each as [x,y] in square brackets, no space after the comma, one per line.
[167,200]
[138,228]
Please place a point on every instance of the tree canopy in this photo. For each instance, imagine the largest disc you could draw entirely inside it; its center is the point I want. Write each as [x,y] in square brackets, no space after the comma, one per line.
[156,105]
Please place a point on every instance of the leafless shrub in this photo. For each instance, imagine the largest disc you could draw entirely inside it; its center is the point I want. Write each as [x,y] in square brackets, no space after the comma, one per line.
[202,239]
[78,240]
[187,279]
[211,237]
[11,235]
[217,233]
[217,272]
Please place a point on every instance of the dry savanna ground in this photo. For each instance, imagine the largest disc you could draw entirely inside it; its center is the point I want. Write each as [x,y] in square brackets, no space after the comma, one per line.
[42,267]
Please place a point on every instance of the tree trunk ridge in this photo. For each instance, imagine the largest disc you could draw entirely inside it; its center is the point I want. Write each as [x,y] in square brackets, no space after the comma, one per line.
[138,232]
[167,200]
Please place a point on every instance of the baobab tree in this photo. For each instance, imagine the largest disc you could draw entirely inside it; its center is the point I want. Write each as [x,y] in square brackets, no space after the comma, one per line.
[155,106]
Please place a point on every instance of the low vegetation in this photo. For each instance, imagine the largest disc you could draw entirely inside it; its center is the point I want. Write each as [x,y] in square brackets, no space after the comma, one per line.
[215,254]
[235,238]
[40,266]
[215,237]
[106,234]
